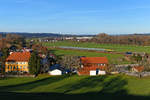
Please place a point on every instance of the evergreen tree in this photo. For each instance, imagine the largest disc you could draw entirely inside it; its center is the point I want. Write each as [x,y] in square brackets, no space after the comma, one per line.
[34,63]
[5,53]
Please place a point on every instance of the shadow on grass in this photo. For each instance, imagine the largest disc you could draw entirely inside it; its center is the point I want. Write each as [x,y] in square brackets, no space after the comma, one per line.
[62,96]
[109,88]
[33,84]
[102,84]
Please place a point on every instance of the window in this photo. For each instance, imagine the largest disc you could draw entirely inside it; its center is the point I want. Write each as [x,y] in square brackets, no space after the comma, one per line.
[20,67]
[17,67]
[24,67]
[8,67]
[99,64]
[89,64]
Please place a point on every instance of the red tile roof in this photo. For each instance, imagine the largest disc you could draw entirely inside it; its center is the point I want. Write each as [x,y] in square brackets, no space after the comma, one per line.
[139,68]
[94,60]
[19,56]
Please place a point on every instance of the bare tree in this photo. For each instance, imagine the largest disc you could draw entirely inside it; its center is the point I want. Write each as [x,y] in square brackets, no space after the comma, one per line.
[70,62]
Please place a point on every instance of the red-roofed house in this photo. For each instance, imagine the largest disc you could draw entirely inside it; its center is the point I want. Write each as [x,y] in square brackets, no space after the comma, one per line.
[18,62]
[93,65]
[138,69]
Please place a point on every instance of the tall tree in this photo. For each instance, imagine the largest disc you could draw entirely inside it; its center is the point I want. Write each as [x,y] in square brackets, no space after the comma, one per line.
[34,63]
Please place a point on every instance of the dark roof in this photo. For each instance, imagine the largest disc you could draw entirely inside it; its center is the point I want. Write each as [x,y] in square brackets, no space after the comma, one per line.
[56,66]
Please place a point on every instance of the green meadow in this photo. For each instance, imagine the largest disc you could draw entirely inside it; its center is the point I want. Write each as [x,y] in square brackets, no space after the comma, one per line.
[113,58]
[43,87]
[115,47]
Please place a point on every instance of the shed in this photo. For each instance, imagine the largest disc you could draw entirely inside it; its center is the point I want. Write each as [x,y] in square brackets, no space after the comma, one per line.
[56,70]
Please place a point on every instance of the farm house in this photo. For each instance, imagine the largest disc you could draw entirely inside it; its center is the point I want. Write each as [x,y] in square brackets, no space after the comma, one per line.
[93,66]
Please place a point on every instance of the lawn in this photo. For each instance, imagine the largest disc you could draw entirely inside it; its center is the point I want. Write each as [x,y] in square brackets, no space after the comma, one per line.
[118,48]
[115,87]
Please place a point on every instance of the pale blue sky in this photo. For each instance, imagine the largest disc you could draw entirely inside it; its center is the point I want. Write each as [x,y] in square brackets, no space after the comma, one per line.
[75,16]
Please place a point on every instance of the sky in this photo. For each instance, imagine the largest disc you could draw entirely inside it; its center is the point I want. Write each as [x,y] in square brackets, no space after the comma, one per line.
[75,16]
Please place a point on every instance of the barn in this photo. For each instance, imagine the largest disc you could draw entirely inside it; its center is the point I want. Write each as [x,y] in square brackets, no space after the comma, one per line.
[93,66]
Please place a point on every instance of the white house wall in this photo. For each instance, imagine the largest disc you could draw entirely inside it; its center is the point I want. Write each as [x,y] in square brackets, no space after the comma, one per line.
[55,72]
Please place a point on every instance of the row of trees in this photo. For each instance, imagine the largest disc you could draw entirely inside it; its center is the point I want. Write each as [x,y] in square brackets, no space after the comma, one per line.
[7,40]
[122,39]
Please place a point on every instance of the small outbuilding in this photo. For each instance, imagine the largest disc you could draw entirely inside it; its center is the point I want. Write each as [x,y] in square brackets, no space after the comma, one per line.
[56,70]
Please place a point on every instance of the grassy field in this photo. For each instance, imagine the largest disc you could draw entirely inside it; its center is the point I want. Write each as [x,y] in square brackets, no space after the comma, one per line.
[113,58]
[117,87]
[118,48]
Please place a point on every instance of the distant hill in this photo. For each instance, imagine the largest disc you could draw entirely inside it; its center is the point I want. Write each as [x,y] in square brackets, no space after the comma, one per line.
[40,35]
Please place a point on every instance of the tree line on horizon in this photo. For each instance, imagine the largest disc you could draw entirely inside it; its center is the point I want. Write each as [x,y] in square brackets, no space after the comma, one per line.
[103,38]
[135,39]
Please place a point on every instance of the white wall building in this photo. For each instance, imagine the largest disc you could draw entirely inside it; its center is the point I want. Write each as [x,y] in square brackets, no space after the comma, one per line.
[97,72]
[55,72]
